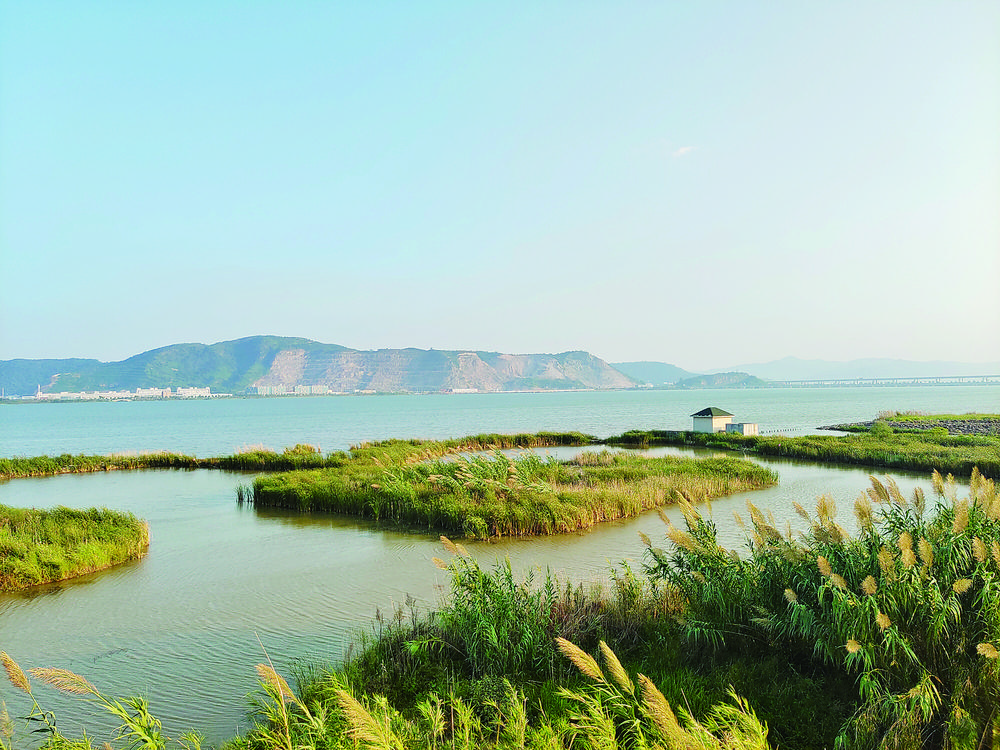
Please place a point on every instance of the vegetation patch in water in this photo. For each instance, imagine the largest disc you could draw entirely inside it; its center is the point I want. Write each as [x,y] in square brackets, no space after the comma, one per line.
[879,445]
[251,459]
[411,482]
[43,546]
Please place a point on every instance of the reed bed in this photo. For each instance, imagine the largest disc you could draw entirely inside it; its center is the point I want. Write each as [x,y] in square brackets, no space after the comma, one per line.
[256,459]
[43,546]
[880,447]
[408,482]
[262,459]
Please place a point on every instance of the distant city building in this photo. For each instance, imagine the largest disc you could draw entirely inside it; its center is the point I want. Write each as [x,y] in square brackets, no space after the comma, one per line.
[194,392]
[152,393]
[311,390]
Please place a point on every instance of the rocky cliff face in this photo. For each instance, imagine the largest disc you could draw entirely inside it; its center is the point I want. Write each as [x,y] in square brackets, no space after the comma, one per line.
[394,370]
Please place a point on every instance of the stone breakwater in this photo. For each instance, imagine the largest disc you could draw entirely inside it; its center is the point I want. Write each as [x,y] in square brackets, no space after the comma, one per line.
[985,426]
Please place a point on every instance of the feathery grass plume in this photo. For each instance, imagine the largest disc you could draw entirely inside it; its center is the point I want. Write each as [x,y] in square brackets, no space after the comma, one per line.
[362,726]
[877,492]
[681,538]
[838,581]
[824,566]
[581,660]
[883,621]
[864,513]
[937,482]
[6,725]
[801,511]
[448,545]
[979,550]
[740,523]
[644,538]
[462,551]
[906,547]
[658,710]
[615,668]
[439,563]
[826,509]
[64,680]
[961,520]
[961,585]
[869,585]
[894,494]
[852,646]
[988,650]
[15,674]
[887,563]
[926,552]
[698,576]
[975,483]
[269,676]
[995,552]
[791,596]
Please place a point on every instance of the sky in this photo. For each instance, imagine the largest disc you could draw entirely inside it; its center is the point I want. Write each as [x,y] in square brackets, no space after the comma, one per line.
[699,183]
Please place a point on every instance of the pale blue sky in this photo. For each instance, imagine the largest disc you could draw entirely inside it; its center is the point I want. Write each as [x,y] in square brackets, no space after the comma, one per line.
[701,183]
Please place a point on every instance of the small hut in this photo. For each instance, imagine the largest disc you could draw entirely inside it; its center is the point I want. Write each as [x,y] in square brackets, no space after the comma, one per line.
[711,419]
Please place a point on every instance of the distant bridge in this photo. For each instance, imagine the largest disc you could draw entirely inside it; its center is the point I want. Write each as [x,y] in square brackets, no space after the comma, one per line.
[938,380]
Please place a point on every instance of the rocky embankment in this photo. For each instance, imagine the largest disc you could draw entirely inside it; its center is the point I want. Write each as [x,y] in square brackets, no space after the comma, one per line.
[984,426]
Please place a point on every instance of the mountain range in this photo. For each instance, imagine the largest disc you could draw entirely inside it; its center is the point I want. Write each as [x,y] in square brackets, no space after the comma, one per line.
[277,364]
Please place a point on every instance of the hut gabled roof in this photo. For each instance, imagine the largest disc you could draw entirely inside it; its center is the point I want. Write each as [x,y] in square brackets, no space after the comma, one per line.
[712,411]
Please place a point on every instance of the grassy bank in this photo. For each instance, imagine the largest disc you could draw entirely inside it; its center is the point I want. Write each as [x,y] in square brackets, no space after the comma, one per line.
[42,546]
[879,446]
[411,482]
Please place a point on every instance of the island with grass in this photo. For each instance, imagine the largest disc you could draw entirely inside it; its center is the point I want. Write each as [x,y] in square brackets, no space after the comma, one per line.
[46,546]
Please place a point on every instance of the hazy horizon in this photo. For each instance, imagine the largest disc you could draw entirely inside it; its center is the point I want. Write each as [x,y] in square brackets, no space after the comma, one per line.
[696,184]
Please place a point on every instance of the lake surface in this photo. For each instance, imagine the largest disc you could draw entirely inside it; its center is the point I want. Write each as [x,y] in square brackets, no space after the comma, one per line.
[186,625]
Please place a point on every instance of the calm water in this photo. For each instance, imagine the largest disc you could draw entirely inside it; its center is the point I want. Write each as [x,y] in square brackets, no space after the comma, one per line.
[187,623]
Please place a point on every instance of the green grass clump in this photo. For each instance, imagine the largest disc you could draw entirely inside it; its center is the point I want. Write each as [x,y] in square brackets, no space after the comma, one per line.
[42,546]
[410,482]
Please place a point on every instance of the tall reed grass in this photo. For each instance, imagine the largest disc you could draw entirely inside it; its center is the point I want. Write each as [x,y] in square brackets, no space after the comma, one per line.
[909,609]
